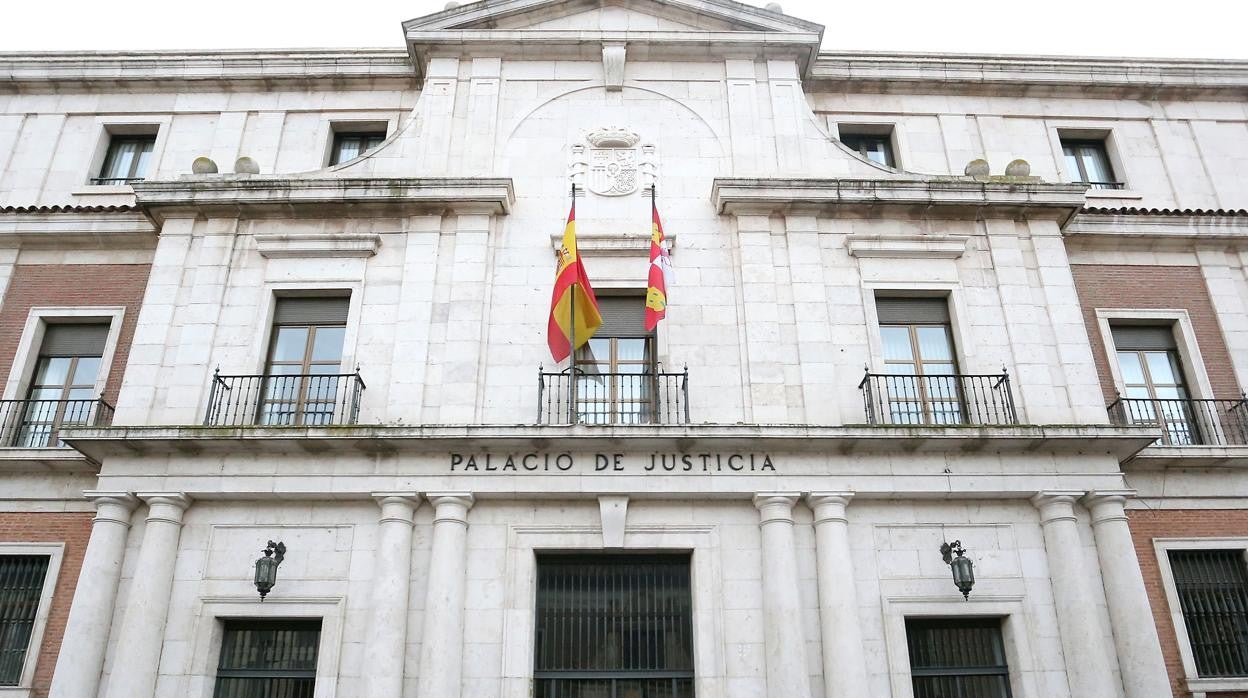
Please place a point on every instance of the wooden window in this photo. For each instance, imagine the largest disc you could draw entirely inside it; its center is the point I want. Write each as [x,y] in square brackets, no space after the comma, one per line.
[613,626]
[349,145]
[21,588]
[918,344]
[62,391]
[1212,586]
[269,659]
[617,366]
[127,160]
[957,658]
[1152,379]
[875,143]
[1088,161]
[305,360]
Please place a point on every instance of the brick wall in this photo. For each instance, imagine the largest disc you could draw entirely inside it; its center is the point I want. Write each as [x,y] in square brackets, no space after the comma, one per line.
[72,529]
[34,285]
[1143,287]
[1178,523]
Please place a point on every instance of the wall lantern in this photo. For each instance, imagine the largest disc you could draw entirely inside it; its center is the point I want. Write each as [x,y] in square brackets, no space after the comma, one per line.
[266,567]
[963,568]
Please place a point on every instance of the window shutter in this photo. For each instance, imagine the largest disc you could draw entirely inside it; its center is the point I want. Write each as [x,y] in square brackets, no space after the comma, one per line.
[912,311]
[1143,337]
[622,316]
[74,340]
[312,311]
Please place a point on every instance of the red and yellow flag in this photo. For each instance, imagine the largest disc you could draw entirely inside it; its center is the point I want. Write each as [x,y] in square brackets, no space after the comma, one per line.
[574,313]
[660,270]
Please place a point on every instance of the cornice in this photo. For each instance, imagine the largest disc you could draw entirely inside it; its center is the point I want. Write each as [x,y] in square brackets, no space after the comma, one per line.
[96,226]
[1169,225]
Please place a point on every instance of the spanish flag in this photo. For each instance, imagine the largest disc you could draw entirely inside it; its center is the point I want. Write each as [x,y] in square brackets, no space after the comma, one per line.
[660,271]
[573,300]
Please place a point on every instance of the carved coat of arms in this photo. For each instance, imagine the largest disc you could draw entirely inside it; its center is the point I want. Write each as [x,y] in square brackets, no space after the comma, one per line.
[612,162]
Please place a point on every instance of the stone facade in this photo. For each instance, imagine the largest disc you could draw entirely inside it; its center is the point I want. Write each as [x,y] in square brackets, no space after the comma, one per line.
[413,525]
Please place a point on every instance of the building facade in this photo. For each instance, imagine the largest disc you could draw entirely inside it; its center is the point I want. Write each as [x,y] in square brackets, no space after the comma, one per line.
[301,298]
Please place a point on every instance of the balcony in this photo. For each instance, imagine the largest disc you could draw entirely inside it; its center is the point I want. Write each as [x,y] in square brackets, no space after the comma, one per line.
[279,400]
[1186,422]
[38,423]
[612,398]
[942,400]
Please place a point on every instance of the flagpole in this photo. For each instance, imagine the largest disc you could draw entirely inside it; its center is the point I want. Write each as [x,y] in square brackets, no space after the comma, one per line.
[572,332]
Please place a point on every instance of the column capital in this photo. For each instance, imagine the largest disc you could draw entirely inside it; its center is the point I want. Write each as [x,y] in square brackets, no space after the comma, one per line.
[165,506]
[112,506]
[1056,505]
[1107,505]
[829,506]
[397,506]
[450,506]
[776,506]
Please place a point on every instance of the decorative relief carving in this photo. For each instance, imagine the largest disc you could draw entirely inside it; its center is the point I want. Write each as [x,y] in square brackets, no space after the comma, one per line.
[613,165]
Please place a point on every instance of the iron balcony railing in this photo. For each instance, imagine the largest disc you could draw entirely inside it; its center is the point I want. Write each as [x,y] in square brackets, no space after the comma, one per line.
[1105,185]
[612,398]
[955,399]
[115,180]
[1185,421]
[38,423]
[284,400]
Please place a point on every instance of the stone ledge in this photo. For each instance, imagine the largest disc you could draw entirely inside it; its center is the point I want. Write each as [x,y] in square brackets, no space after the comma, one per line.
[317,245]
[907,246]
[57,460]
[1160,457]
[613,244]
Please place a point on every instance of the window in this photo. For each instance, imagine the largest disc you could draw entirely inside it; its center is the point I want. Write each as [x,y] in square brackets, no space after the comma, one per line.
[613,626]
[349,145]
[618,385]
[1152,379]
[21,588]
[1087,161]
[127,160]
[272,659]
[62,390]
[921,384]
[303,385]
[957,658]
[1212,586]
[873,142]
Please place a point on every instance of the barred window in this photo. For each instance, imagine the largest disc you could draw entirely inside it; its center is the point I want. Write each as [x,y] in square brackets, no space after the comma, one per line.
[21,587]
[613,626]
[1212,586]
[270,659]
[957,658]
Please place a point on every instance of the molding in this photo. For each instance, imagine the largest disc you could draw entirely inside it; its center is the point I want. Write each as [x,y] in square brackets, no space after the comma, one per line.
[950,197]
[907,246]
[317,245]
[1154,226]
[230,196]
[613,244]
[100,229]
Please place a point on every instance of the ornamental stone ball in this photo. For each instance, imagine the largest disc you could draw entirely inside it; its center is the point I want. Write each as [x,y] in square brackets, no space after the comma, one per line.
[203,165]
[977,168]
[246,165]
[1018,168]
[451,5]
[775,7]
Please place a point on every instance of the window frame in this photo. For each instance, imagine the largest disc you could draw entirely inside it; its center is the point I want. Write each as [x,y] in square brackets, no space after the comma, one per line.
[1091,131]
[157,125]
[263,674]
[300,404]
[1196,379]
[354,122]
[1187,658]
[22,371]
[132,175]
[56,555]
[996,622]
[885,132]
[335,149]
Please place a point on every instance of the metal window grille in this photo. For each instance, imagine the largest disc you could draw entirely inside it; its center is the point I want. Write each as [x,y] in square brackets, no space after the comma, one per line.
[613,626]
[21,586]
[268,659]
[1213,592]
[957,658]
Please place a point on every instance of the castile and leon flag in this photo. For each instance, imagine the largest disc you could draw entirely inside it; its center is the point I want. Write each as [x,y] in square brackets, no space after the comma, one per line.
[660,271]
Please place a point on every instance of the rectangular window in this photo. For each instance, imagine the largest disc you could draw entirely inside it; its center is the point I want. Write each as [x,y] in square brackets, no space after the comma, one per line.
[1153,385]
[268,659]
[956,658]
[1087,161]
[303,377]
[873,142]
[922,383]
[613,626]
[62,390]
[618,381]
[127,160]
[1212,587]
[349,145]
[21,587]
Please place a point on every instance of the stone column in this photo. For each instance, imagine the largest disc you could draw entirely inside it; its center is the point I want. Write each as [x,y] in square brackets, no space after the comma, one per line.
[442,647]
[782,607]
[1088,669]
[386,644]
[142,632]
[81,661]
[844,662]
[1135,634]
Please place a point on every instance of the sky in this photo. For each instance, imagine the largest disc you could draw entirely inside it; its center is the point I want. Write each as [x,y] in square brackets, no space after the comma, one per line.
[1136,28]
